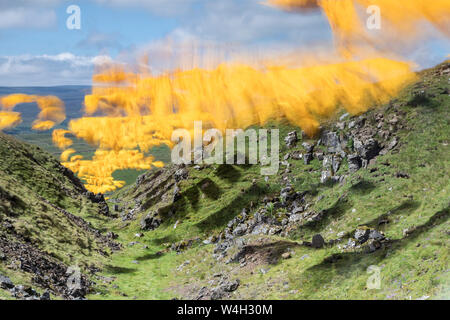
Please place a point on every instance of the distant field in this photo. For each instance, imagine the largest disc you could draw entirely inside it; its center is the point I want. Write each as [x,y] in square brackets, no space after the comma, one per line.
[73,97]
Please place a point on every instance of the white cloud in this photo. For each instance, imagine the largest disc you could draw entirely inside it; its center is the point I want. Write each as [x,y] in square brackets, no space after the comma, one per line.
[48,70]
[159,7]
[26,17]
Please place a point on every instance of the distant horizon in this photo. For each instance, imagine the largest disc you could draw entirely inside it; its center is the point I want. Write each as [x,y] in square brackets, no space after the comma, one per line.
[55,86]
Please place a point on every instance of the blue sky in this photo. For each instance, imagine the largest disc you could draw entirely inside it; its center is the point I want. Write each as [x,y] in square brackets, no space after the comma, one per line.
[37,49]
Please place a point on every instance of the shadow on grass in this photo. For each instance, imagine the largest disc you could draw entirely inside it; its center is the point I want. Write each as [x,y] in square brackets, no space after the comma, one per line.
[228,172]
[119,270]
[348,263]
[150,256]
[363,187]
[328,215]
[406,207]
[221,217]
[166,239]
[210,188]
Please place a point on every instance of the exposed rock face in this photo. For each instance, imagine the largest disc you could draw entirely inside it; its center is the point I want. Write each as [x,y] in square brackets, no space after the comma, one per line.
[181,174]
[100,199]
[47,272]
[150,222]
[367,149]
[332,141]
[354,162]
[224,288]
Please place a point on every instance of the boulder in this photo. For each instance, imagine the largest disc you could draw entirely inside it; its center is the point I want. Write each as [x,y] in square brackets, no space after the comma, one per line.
[325,176]
[297,155]
[376,235]
[286,255]
[367,149]
[354,163]
[46,295]
[332,141]
[308,147]
[307,158]
[291,139]
[317,241]
[5,282]
[362,235]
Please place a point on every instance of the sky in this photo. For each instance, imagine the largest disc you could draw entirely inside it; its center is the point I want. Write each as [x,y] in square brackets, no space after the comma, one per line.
[37,48]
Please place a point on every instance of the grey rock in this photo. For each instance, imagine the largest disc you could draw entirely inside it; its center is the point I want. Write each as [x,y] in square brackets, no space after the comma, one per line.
[222,290]
[332,141]
[350,244]
[336,163]
[362,235]
[297,155]
[308,147]
[354,163]
[46,295]
[176,193]
[340,125]
[291,139]
[297,210]
[140,179]
[317,241]
[5,282]
[150,222]
[376,235]
[295,217]
[181,174]
[325,176]
[307,158]
[240,230]
[327,161]
[367,149]
[392,144]
[261,229]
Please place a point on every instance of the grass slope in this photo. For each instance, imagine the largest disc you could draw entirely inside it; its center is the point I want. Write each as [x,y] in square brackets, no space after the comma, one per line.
[40,201]
[406,189]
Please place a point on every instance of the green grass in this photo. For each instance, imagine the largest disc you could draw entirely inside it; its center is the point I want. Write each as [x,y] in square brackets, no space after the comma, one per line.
[412,267]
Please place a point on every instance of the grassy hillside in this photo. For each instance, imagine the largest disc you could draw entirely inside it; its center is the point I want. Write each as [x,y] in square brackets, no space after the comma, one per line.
[403,193]
[226,232]
[41,232]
